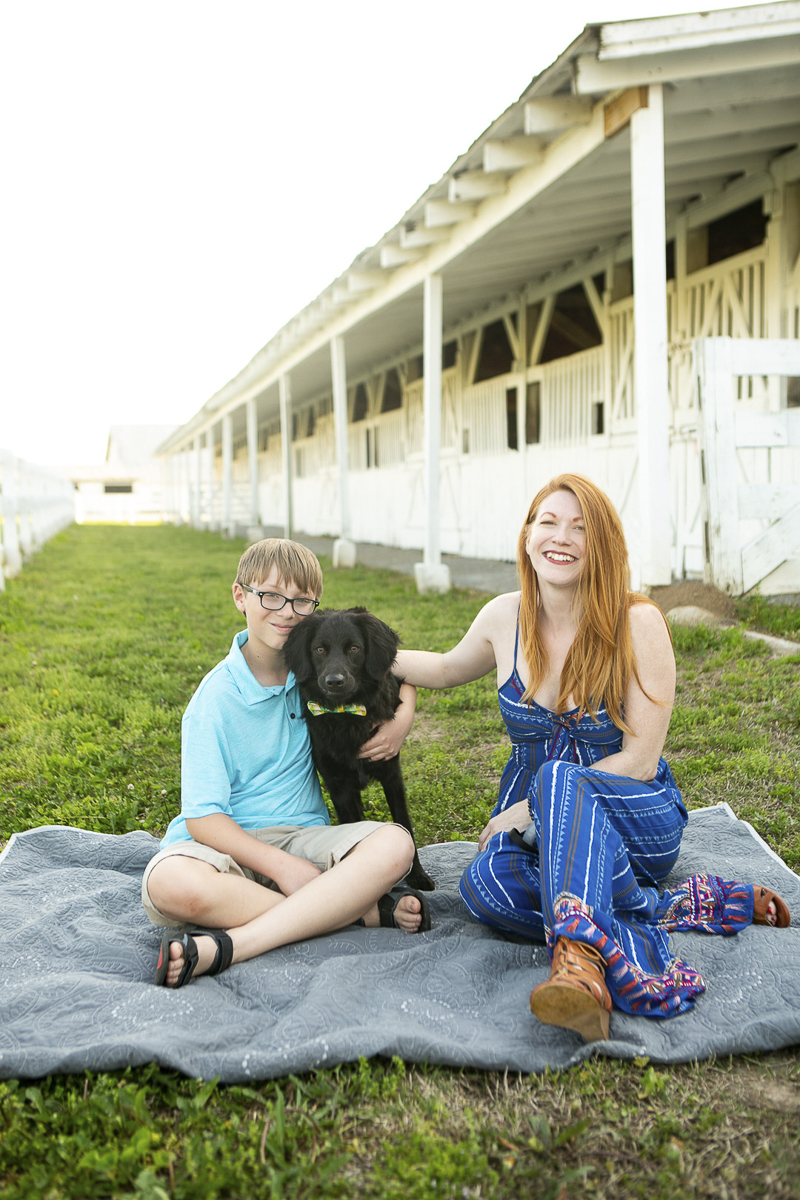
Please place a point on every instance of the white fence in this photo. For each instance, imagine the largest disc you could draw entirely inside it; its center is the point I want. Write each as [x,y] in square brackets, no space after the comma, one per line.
[34,505]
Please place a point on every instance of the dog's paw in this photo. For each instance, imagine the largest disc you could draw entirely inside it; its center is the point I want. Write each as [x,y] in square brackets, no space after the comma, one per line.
[419,879]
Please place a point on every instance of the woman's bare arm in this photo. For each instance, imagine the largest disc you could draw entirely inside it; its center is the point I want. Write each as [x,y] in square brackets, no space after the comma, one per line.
[472,658]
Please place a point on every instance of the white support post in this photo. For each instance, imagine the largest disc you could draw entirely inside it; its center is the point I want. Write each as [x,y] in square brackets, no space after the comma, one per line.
[432,574]
[213,519]
[196,503]
[251,412]
[522,385]
[170,480]
[777,266]
[344,548]
[285,396]
[650,356]
[227,475]
[186,514]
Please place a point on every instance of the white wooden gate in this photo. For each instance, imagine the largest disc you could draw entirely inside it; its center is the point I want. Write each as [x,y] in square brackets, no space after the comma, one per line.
[733,563]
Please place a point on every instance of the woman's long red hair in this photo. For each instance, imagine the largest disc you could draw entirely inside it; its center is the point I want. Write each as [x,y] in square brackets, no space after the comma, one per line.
[600,661]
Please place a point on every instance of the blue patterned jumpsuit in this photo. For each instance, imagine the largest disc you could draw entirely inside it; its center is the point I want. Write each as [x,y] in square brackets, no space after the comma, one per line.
[603,844]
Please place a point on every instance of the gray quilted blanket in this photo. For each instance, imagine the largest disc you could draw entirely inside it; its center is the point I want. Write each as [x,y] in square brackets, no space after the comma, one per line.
[77,955]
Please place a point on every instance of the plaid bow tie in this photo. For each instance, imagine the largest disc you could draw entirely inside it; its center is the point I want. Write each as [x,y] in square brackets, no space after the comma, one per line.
[316,710]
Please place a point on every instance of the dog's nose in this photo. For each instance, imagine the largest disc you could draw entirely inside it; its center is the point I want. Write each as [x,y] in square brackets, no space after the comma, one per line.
[334,682]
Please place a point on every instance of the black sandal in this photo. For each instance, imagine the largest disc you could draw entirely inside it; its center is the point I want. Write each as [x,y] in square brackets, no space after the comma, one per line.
[388,903]
[222,958]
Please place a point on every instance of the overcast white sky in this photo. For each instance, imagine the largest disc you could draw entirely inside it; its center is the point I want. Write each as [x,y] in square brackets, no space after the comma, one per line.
[181,177]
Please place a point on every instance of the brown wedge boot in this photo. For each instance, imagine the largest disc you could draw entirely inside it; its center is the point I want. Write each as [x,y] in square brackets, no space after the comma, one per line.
[575,996]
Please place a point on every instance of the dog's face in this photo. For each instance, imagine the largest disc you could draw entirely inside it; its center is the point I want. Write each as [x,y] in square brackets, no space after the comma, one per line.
[341,652]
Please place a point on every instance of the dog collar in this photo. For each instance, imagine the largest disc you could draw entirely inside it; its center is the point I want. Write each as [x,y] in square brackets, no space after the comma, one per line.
[316,710]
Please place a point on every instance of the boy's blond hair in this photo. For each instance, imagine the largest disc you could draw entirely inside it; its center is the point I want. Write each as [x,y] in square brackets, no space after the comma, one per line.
[294,563]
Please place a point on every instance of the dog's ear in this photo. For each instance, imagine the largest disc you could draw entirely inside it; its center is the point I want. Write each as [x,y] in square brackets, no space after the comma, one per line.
[380,642]
[297,651]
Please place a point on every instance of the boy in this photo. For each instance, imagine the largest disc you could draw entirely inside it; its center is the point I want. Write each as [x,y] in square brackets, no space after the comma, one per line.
[252,862]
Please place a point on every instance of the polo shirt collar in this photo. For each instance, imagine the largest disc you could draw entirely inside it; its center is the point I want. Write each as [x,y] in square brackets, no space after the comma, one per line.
[251,690]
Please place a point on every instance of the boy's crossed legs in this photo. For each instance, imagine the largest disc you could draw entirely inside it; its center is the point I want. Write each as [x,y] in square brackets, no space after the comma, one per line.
[185,890]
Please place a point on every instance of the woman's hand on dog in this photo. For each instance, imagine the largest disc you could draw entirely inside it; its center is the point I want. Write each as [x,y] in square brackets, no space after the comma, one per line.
[388,738]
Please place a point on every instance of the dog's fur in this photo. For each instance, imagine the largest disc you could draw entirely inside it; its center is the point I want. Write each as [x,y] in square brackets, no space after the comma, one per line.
[345,657]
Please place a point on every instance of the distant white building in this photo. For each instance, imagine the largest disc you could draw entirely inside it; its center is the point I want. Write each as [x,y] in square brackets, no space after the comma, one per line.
[128,488]
[607,281]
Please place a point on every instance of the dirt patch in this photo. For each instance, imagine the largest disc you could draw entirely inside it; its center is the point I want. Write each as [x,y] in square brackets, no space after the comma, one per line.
[703,595]
[754,1089]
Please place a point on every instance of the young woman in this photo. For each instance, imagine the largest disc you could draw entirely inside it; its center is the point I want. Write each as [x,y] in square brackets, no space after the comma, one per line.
[589,819]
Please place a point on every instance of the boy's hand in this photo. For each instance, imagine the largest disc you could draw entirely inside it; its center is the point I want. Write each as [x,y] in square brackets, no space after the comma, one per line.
[384,743]
[293,873]
[388,738]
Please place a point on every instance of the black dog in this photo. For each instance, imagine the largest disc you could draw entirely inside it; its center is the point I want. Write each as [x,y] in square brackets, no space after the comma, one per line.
[341,660]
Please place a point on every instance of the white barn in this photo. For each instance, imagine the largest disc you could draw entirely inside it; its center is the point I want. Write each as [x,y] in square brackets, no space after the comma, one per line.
[607,281]
[128,487]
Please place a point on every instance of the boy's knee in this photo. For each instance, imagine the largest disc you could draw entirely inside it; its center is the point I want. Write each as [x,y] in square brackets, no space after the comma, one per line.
[397,843]
[174,888]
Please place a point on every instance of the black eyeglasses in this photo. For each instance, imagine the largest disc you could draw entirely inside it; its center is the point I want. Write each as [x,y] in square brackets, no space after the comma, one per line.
[303,606]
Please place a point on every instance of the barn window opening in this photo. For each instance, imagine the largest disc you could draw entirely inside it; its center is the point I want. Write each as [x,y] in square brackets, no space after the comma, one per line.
[392,392]
[511,418]
[623,281]
[598,417]
[117,489]
[670,255]
[449,354]
[360,403]
[414,368]
[572,326]
[303,424]
[736,232]
[533,395]
[496,356]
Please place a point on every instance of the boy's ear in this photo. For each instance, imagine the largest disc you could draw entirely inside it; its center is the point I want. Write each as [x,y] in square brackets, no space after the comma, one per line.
[238,596]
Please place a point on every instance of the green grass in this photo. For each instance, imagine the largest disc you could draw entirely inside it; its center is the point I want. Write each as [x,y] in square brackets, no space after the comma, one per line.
[103,638]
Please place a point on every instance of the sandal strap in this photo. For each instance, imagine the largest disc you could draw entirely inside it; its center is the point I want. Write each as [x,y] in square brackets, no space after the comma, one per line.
[189,957]
[388,903]
[224,952]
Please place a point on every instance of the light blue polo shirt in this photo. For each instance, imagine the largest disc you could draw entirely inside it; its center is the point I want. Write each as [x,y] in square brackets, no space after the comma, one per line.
[245,751]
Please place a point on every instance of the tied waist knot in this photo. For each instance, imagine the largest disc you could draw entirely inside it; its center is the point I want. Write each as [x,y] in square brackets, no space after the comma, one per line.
[562,739]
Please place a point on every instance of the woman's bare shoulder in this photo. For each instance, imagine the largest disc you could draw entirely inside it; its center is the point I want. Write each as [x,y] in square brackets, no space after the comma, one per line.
[646,617]
[501,609]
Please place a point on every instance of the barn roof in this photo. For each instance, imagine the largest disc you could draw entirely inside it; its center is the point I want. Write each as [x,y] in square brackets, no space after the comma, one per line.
[545,190]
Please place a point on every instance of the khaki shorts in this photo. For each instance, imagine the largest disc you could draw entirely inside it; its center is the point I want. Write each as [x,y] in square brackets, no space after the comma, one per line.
[323,845]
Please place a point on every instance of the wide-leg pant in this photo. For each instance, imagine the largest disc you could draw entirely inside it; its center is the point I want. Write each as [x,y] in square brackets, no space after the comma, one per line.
[603,845]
